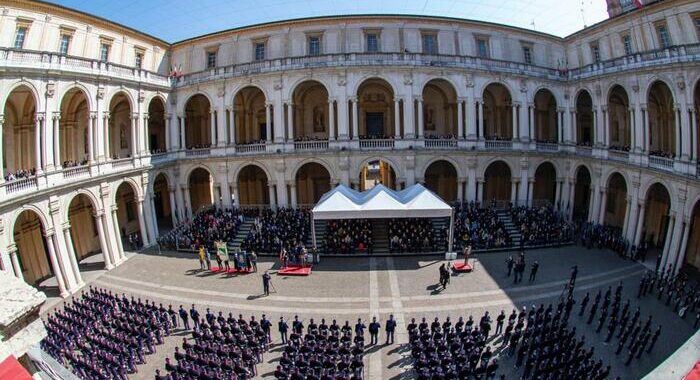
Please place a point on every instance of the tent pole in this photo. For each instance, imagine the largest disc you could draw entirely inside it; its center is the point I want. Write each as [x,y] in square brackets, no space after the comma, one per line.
[451,232]
[313,230]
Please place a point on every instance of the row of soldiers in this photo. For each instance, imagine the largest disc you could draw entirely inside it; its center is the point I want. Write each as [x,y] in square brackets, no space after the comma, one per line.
[677,290]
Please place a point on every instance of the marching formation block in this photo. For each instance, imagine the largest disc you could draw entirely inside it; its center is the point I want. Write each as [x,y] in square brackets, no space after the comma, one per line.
[231,270]
[295,270]
[462,267]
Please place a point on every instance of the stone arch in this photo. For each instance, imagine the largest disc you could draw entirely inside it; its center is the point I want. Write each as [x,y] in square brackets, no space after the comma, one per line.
[503,83]
[200,182]
[585,127]
[498,177]
[74,136]
[293,86]
[436,158]
[311,116]
[696,103]
[544,189]
[163,208]
[582,192]
[121,91]
[444,180]
[81,87]
[252,181]
[156,129]
[647,185]
[134,186]
[581,89]
[616,200]
[253,84]
[198,131]
[440,101]
[30,241]
[21,108]
[155,174]
[259,164]
[393,86]
[658,206]
[129,220]
[68,199]
[662,127]
[318,160]
[120,140]
[30,86]
[251,116]
[497,118]
[509,164]
[85,236]
[313,179]
[618,102]
[546,119]
[394,165]
[376,108]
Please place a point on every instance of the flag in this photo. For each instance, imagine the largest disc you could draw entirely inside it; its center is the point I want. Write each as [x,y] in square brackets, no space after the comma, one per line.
[638,4]
[222,250]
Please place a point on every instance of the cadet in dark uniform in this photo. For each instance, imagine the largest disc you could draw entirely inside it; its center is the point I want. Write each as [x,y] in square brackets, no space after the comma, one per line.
[373,331]
[185,318]
[282,327]
[266,283]
[390,328]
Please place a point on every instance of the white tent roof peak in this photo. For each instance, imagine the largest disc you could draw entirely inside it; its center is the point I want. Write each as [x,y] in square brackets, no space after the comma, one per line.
[380,202]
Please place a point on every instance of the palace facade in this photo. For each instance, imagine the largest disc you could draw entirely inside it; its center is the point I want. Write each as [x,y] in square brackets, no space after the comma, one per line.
[109,133]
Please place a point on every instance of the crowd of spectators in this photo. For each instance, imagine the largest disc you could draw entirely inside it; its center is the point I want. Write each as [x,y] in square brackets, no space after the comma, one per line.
[205,229]
[619,148]
[219,348]
[411,235]
[441,137]
[677,292]
[661,153]
[546,141]
[322,352]
[20,174]
[348,236]
[274,230]
[478,227]
[605,236]
[310,138]
[541,225]
[199,146]
[72,163]
[584,143]
[158,150]
[103,336]
[498,138]
[252,142]
[376,137]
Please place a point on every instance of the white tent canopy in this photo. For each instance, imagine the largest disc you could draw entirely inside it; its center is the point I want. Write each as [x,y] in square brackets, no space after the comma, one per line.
[381,203]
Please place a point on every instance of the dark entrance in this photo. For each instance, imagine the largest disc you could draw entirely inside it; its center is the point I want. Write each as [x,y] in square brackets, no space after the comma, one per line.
[375,124]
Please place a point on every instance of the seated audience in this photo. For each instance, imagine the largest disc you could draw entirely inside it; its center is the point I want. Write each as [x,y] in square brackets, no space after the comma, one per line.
[348,236]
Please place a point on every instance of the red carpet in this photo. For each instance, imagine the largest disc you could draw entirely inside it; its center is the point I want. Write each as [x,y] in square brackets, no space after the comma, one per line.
[462,267]
[10,369]
[694,374]
[232,270]
[295,270]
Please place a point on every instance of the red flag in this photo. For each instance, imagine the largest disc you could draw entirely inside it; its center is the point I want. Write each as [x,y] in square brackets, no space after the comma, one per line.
[638,4]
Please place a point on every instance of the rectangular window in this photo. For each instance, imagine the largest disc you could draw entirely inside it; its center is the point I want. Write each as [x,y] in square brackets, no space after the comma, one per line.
[259,51]
[430,44]
[696,22]
[664,37]
[65,44]
[211,59]
[595,52]
[627,43]
[104,52]
[20,34]
[314,45]
[138,61]
[482,46]
[527,54]
[372,42]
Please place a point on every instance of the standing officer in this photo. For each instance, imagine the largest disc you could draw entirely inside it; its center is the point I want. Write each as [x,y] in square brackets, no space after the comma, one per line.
[282,327]
[533,270]
[360,328]
[194,314]
[185,318]
[509,263]
[390,328]
[373,331]
[266,283]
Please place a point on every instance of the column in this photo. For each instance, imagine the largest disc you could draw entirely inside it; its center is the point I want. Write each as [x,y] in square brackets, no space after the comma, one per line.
[331,119]
[515,121]
[557,192]
[212,127]
[460,188]
[530,191]
[152,220]
[71,255]
[680,256]
[188,202]
[421,121]
[168,132]
[531,124]
[574,127]
[271,195]
[593,205]
[268,122]
[142,224]
[232,126]
[678,133]
[560,126]
[221,126]
[514,190]
[625,223]
[236,197]
[645,130]
[56,120]
[693,134]
[15,262]
[471,119]
[37,143]
[480,190]
[293,193]
[57,269]
[173,206]
[572,197]
[145,148]
[603,203]
[638,128]
[409,124]
[342,119]
[183,139]
[119,256]
[134,135]
[46,140]
[92,123]
[107,137]
[103,241]
[2,164]
[606,124]
[480,118]
[355,119]
[397,119]
[640,222]
[666,258]
[460,119]
[290,122]
[630,115]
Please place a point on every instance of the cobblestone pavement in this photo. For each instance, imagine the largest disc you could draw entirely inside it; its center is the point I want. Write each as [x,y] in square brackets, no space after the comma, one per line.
[348,288]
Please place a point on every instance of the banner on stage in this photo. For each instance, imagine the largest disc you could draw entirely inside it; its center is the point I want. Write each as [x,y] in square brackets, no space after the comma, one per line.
[222,250]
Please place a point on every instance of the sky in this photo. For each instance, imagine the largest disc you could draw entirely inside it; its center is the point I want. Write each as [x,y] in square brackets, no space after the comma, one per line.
[176,20]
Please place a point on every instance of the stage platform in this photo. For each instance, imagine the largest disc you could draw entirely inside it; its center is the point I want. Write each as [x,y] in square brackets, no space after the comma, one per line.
[295,270]
[461,267]
[232,270]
